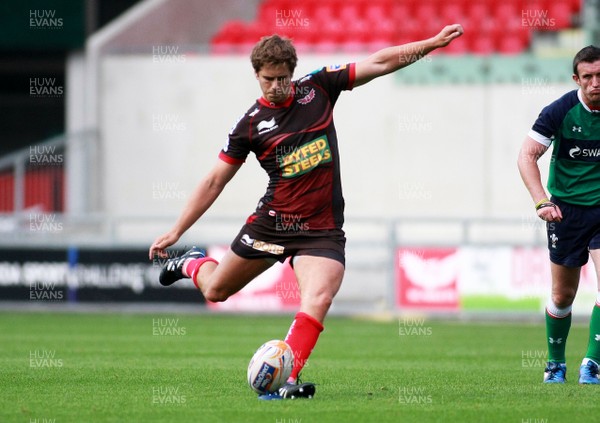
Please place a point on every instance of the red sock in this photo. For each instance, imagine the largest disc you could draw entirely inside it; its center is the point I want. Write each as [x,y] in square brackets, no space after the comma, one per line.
[302,338]
[194,265]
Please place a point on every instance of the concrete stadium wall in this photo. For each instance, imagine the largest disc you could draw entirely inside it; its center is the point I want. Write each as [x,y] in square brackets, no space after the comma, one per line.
[406,150]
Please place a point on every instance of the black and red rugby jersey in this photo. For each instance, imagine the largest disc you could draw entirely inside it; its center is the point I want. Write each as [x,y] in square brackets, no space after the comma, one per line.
[296,144]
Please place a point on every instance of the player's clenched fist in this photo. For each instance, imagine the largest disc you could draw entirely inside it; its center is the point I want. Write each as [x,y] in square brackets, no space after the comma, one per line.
[549,212]
[449,33]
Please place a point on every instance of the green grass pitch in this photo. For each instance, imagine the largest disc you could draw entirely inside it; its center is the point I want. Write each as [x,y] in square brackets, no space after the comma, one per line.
[68,367]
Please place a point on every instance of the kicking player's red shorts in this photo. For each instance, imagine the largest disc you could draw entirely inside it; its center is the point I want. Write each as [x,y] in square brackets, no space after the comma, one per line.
[265,239]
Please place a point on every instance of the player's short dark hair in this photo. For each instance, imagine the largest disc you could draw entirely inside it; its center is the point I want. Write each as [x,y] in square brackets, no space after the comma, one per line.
[587,54]
[274,50]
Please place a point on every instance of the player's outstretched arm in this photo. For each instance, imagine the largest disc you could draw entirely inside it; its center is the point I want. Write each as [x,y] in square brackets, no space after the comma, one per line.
[205,194]
[527,162]
[391,59]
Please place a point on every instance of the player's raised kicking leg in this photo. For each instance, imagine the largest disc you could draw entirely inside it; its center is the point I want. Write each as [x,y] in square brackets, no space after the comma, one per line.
[217,281]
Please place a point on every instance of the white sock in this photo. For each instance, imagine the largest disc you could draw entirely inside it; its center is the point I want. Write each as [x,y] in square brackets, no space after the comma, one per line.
[557,312]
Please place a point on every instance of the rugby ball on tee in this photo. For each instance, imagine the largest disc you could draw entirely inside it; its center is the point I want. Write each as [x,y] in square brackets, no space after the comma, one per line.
[270,366]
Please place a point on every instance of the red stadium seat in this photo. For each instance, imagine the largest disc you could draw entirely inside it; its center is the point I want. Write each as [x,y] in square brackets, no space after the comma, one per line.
[402,14]
[478,12]
[404,22]
[513,42]
[268,12]
[226,41]
[459,46]
[483,44]
[350,11]
[560,12]
[377,42]
[324,13]
[252,33]
[535,5]
[355,25]
[452,12]
[377,12]
[425,12]
[328,45]
[305,39]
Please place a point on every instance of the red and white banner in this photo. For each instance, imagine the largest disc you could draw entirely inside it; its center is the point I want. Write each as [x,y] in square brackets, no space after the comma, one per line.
[274,290]
[427,278]
[439,278]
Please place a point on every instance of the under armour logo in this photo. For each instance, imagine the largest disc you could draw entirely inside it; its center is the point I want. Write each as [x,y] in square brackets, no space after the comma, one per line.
[555,341]
[597,338]
[576,129]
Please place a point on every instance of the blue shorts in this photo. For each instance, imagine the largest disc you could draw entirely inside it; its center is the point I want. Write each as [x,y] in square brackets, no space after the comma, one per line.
[570,240]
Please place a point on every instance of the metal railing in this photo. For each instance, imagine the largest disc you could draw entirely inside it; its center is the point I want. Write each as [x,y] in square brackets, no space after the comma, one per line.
[368,232]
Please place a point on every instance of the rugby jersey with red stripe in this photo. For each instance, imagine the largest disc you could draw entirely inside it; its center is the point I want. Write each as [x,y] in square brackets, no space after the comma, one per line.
[296,144]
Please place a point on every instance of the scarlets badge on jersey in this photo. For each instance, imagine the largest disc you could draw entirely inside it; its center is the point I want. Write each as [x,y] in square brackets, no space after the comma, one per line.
[335,68]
